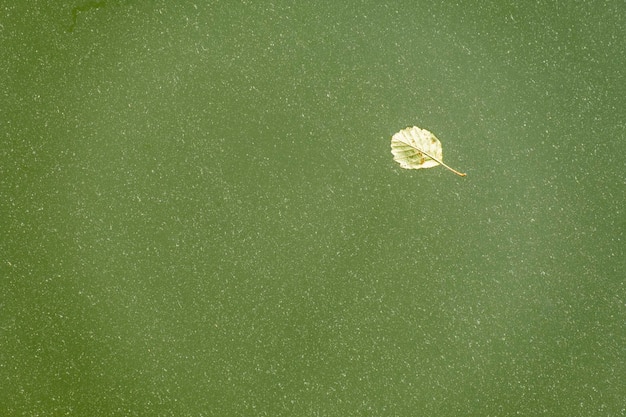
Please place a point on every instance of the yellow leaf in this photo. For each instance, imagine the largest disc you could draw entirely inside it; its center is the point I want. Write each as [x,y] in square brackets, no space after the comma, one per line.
[415,148]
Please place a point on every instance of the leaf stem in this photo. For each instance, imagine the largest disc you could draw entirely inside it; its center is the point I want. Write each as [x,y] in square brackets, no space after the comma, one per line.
[460,174]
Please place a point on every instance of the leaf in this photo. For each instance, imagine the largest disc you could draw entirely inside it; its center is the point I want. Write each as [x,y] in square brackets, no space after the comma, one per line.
[415,148]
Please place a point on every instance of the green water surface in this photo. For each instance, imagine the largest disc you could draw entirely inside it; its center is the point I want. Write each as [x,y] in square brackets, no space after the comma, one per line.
[201,215]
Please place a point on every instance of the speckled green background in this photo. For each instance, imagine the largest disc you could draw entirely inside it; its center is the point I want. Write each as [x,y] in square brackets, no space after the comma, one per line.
[200,214]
